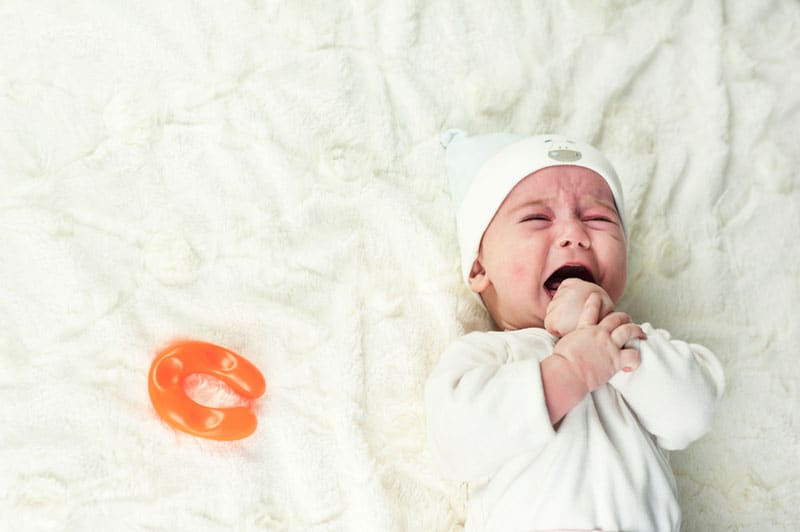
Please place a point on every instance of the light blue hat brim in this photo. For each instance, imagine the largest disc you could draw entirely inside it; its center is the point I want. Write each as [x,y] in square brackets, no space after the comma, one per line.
[467,154]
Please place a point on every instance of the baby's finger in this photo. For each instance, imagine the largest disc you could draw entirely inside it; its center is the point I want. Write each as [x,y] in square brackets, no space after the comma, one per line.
[591,311]
[629,360]
[550,321]
[626,332]
[569,281]
[613,320]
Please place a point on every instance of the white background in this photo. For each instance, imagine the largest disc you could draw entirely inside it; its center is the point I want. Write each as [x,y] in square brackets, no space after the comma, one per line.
[267,176]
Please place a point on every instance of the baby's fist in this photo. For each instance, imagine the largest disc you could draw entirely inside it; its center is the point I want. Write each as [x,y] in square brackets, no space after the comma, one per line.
[563,312]
[595,351]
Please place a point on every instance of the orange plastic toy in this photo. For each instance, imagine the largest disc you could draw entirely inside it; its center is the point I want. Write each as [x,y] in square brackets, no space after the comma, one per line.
[166,386]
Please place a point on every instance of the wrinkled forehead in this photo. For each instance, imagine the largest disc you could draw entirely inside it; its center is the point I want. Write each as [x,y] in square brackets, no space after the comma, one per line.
[567,181]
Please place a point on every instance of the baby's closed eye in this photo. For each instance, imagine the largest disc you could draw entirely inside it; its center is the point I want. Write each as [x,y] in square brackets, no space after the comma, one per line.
[535,217]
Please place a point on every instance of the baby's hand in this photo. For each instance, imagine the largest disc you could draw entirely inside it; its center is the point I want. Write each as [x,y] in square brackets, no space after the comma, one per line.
[561,316]
[595,351]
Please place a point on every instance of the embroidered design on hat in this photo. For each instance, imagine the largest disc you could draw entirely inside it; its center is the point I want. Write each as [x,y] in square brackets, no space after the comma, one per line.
[562,153]
[565,155]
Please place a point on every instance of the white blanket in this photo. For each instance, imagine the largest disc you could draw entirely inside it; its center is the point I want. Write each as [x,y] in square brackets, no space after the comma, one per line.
[267,176]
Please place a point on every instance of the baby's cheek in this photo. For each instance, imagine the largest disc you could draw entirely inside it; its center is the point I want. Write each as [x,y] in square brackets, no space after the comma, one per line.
[520,271]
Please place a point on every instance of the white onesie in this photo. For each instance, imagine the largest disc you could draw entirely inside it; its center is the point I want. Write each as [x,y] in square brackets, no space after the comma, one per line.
[605,468]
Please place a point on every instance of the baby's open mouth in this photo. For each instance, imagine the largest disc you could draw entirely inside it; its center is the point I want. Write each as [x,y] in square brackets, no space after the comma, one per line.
[565,272]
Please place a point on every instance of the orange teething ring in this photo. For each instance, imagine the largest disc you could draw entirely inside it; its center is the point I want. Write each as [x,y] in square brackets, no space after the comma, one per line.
[165,384]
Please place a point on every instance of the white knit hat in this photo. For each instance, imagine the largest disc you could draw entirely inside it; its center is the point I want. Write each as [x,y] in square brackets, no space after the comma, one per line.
[484,168]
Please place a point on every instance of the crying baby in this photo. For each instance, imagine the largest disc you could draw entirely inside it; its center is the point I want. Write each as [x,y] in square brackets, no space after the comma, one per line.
[564,416]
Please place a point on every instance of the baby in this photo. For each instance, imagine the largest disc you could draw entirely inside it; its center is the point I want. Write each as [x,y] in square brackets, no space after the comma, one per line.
[561,420]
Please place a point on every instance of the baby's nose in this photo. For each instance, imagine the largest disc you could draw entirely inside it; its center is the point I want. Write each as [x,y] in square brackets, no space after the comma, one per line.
[574,235]
[565,242]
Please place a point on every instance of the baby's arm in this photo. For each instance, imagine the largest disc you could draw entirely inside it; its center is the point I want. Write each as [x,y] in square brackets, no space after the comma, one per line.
[586,358]
[485,404]
[675,390]
[490,398]
[564,310]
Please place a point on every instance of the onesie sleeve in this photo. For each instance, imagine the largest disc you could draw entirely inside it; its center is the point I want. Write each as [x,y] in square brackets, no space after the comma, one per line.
[675,390]
[485,404]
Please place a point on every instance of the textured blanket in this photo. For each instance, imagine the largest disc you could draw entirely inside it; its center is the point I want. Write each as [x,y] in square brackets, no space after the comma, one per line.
[267,176]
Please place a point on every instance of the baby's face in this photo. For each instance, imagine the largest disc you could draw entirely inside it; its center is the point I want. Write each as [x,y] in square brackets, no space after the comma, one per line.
[558,222]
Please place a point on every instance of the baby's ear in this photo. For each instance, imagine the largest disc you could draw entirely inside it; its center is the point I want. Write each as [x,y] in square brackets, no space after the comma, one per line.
[478,280]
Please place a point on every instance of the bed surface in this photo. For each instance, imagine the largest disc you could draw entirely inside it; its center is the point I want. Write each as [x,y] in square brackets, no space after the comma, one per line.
[267,176]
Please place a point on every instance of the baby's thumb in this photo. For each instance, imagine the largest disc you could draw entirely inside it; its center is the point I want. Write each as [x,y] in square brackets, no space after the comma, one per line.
[590,314]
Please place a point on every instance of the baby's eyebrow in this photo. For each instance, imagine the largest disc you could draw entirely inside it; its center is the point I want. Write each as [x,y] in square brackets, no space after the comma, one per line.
[543,202]
[603,203]
[540,202]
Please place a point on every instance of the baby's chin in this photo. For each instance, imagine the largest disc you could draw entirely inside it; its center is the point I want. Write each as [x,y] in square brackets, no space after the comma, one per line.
[518,314]
[511,322]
